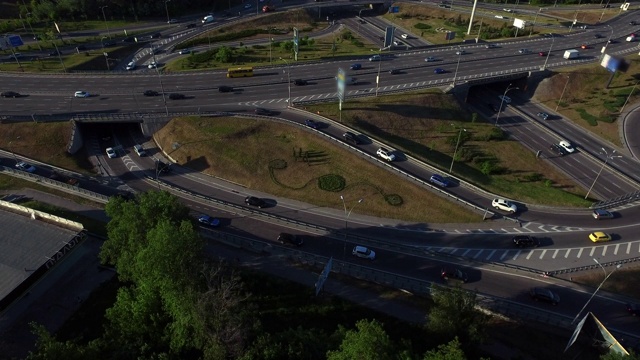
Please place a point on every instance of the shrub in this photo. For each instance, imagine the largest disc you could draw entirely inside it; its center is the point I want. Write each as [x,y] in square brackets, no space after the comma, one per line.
[331,182]
[422,26]
[393,199]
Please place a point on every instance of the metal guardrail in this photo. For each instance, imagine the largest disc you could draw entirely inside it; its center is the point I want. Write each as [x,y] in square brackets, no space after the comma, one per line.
[75,190]
[621,200]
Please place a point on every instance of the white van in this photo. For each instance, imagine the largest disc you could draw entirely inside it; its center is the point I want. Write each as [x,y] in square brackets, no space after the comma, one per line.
[207,19]
[131,65]
[139,150]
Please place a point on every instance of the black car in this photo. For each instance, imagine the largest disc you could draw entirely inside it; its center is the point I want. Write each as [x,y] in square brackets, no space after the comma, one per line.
[633,309]
[453,274]
[290,239]
[597,36]
[255,201]
[163,167]
[545,295]
[54,53]
[300,82]
[493,107]
[311,123]
[10,94]
[109,43]
[557,149]
[150,93]
[156,36]
[394,71]
[225,89]
[176,96]
[128,39]
[190,26]
[633,22]
[526,241]
[351,138]
[263,111]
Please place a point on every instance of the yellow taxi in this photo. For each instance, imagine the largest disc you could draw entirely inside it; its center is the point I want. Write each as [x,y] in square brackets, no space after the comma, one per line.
[599,236]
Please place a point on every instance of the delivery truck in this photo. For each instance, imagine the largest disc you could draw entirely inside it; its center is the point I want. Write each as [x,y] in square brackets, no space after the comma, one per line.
[571,54]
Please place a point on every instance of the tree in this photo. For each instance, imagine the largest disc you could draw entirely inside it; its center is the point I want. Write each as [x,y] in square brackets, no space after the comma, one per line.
[448,351]
[47,347]
[224,54]
[368,342]
[611,355]
[454,314]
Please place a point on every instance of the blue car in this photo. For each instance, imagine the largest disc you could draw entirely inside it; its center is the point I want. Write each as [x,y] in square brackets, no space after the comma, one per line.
[439,180]
[356,67]
[439,71]
[311,123]
[209,221]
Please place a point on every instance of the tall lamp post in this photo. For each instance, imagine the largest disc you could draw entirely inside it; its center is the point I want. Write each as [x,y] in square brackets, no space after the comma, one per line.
[563,90]
[607,158]
[534,22]
[166,8]
[33,33]
[105,20]
[456,150]
[346,220]
[288,79]
[604,50]
[553,39]
[164,97]
[509,88]
[606,276]
[455,75]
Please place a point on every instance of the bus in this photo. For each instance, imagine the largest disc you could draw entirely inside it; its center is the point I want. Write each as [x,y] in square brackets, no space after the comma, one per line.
[239,72]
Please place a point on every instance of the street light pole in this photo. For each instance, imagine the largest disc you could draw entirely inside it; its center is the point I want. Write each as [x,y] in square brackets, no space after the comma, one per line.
[534,22]
[629,97]
[33,33]
[455,75]
[607,158]
[346,220]
[166,8]
[288,79]
[456,150]
[553,39]
[105,20]
[509,88]
[563,90]
[598,288]
[606,45]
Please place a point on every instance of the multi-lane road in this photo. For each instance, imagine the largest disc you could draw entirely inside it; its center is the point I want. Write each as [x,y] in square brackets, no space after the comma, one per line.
[564,242]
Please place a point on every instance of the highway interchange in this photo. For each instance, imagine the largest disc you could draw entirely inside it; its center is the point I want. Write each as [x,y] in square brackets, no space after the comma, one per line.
[564,237]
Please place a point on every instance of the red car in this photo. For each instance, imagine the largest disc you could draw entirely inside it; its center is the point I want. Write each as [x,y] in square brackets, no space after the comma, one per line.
[542,53]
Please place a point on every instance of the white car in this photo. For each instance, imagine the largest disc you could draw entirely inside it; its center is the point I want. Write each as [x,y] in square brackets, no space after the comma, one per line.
[81,94]
[460,52]
[404,36]
[111,153]
[375,58]
[184,51]
[504,205]
[505,98]
[385,154]
[567,146]
[131,65]
[430,59]
[152,65]
[396,43]
[363,252]
[247,5]
[25,167]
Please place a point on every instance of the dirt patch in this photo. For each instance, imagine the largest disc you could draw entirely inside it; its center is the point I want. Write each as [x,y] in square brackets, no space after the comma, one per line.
[244,151]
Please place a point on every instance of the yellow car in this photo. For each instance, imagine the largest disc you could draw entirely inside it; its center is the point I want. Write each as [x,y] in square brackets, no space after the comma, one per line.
[599,236]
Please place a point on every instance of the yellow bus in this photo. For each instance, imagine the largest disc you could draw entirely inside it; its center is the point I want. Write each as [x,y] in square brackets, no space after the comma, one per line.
[239,72]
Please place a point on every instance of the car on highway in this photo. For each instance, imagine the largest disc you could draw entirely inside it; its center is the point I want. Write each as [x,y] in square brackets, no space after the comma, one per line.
[461,52]
[557,149]
[131,65]
[584,46]
[397,43]
[504,98]
[491,46]
[543,115]
[394,71]
[177,96]
[152,65]
[355,67]
[172,21]
[542,53]
[504,205]
[225,89]
[111,153]
[430,59]
[150,93]
[255,201]
[597,36]
[633,309]
[300,82]
[439,71]
[439,180]
[493,107]
[156,36]
[139,149]
[567,146]
[375,58]
[311,123]
[451,273]
[56,53]
[600,214]
[81,94]
[363,252]
[81,48]
[209,221]
[351,138]
[404,36]
[25,167]
[263,111]
[544,295]
[185,51]
[385,154]
[524,51]
[599,236]
[247,6]
[633,23]
[10,94]
[163,167]
[525,241]
[290,239]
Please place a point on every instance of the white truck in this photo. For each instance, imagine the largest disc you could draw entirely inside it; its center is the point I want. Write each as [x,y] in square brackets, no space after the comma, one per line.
[571,54]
